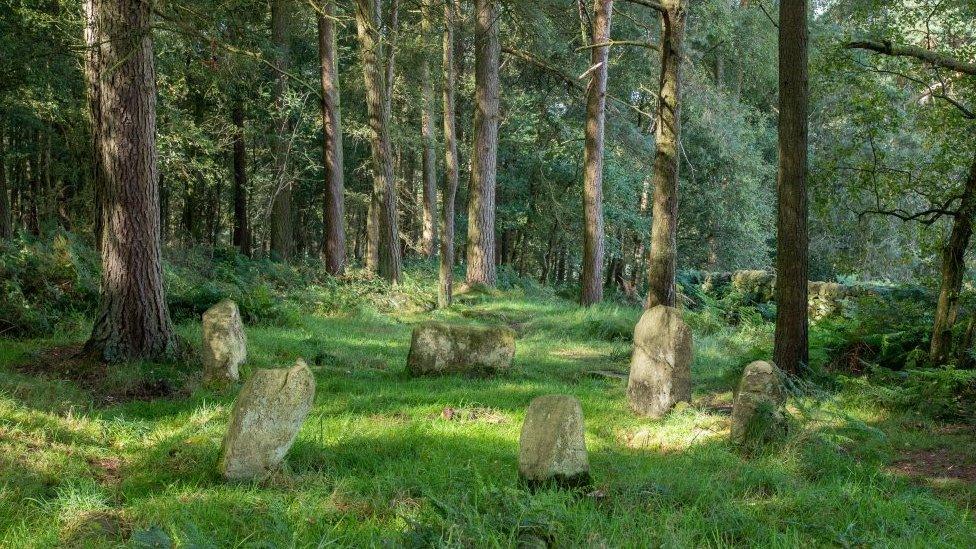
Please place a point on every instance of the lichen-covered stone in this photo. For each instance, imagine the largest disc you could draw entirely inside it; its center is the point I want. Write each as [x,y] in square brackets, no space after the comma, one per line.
[224,342]
[438,348]
[552,449]
[755,286]
[826,299]
[265,420]
[660,367]
[761,388]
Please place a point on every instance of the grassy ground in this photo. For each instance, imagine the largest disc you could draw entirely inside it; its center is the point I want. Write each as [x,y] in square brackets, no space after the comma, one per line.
[380,462]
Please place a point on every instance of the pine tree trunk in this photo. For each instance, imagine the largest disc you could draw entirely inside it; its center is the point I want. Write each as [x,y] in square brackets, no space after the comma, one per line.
[383,203]
[428,238]
[591,290]
[451,169]
[481,196]
[6,230]
[133,320]
[333,205]
[239,238]
[953,269]
[282,234]
[662,260]
[93,92]
[790,351]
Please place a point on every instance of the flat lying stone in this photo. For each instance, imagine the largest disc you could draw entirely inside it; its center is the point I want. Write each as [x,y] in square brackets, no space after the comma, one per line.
[265,420]
[552,449]
[660,368]
[761,387]
[224,342]
[439,348]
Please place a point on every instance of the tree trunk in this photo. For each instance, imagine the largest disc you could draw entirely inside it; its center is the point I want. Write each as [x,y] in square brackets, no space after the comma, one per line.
[333,205]
[282,234]
[133,321]
[239,238]
[93,92]
[664,228]
[790,350]
[481,196]
[383,202]
[451,170]
[6,230]
[953,269]
[591,290]
[428,239]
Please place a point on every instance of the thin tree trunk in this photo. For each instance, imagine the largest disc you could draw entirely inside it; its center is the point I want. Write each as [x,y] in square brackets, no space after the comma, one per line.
[664,228]
[953,269]
[790,350]
[384,193]
[390,39]
[591,290]
[333,205]
[481,199]
[282,234]
[451,170]
[240,239]
[133,320]
[428,239]
[6,230]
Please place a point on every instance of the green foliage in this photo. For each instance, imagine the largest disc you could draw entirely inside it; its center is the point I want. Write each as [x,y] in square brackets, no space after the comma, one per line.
[945,393]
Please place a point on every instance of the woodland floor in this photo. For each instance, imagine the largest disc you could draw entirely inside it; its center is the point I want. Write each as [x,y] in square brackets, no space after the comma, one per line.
[127,458]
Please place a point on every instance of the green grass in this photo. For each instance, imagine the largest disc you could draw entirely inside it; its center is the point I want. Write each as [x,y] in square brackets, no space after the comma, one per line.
[376,464]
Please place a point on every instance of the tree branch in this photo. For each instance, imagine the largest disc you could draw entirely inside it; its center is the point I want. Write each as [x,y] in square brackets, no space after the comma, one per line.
[653,4]
[933,58]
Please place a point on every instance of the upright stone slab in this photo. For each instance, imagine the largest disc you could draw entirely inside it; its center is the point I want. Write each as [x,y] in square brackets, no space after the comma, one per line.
[265,420]
[660,368]
[761,384]
[224,342]
[552,449]
[439,348]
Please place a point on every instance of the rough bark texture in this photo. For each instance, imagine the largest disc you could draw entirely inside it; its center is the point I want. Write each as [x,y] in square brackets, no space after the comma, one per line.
[790,351]
[664,228]
[446,287]
[93,92]
[484,158]
[428,238]
[596,103]
[240,235]
[133,320]
[953,269]
[384,193]
[282,233]
[6,229]
[333,205]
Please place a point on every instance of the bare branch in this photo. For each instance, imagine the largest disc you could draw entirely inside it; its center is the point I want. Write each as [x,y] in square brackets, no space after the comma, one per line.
[653,4]
[933,58]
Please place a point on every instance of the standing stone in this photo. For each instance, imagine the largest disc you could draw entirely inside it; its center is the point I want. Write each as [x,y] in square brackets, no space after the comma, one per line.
[552,448]
[761,387]
[265,420]
[660,368]
[224,342]
[438,348]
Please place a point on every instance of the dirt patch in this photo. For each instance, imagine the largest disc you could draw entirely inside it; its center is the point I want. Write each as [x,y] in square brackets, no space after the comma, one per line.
[107,469]
[72,363]
[486,415]
[935,465]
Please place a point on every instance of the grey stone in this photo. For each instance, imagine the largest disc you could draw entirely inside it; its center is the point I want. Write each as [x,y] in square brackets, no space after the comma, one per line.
[265,420]
[439,348]
[761,387]
[552,449]
[224,342]
[660,367]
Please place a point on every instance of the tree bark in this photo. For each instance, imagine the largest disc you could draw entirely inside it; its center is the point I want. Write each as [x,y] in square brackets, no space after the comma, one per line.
[591,290]
[93,92]
[333,205]
[953,269]
[451,170]
[6,230]
[662,260]
[428,238]
[481,199]
[133,321]
[282,234]
[790,349]
[383,201]
[239,238]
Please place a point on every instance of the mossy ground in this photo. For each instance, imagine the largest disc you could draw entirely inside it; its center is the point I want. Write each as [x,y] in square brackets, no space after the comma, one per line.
[384,459]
